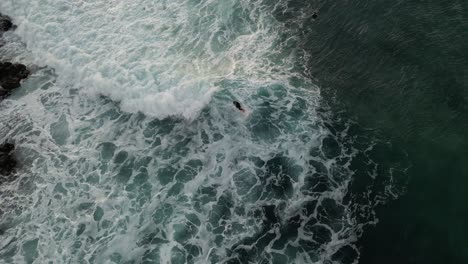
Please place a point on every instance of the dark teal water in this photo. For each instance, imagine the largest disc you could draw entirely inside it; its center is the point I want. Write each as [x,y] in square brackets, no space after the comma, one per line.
[400,70]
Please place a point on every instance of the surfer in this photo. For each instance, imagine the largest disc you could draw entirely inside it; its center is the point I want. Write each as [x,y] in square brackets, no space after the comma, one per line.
[238,106]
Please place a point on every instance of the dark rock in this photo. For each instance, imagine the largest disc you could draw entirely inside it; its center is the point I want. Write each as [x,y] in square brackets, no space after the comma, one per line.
[7,161]
[5,23]
[4,94]
[12,74]
[315,15]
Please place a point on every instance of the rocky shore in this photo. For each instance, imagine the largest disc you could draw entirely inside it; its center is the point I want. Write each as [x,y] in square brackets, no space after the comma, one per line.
[5,23]
[11,75]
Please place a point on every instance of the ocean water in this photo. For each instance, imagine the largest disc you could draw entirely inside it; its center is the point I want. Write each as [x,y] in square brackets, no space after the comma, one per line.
[131,151]
[399,69]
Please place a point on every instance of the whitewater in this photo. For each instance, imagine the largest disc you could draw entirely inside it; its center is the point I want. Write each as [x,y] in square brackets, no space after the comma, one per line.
[131,150]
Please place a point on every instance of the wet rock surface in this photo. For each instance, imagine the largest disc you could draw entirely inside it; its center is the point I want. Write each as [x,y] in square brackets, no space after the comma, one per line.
[5,23]
[7,162]
[11,75]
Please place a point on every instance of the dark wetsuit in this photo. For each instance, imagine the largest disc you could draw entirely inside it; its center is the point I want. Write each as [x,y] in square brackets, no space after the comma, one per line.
[238,106]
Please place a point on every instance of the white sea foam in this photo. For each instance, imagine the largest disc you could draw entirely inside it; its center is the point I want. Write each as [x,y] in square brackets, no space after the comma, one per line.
[162,58]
